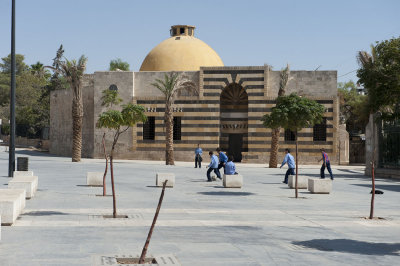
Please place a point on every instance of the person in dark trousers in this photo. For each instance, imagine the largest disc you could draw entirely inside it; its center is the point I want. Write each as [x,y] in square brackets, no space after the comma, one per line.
[213,166]
[230,168]
[325,163]
[197,156]
[222,159]
[290,162]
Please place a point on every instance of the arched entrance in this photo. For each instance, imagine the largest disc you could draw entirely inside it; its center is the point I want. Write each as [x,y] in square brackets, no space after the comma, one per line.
[234,120]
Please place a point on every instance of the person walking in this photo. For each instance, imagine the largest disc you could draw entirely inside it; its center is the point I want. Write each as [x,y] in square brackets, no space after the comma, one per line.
[290,162]
[222,159]
[325,163]
[213,166]
[230,168]
[197,156]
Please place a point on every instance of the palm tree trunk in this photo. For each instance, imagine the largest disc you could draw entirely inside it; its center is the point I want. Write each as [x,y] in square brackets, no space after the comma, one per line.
[273,160]
[297,166]
[169,136]
[105,171]
[77,118]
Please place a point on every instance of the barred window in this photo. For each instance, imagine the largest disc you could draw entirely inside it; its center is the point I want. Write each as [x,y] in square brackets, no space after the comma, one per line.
[149,128]
[289,135]
[319,131]
[177,128]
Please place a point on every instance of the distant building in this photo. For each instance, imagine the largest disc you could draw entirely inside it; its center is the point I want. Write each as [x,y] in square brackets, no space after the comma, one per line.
[224,110]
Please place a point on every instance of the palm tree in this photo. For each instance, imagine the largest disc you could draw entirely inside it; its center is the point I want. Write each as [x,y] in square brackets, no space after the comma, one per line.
[170,86]
[273,160]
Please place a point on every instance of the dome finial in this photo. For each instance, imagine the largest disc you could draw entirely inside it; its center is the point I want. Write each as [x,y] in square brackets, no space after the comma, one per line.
[182,30]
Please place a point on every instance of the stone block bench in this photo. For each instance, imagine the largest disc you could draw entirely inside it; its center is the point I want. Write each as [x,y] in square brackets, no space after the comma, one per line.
[232,181]
[302,181]
[29,183]
[319,185]
[94,179]
[11,202]
[23,173]
[161,177]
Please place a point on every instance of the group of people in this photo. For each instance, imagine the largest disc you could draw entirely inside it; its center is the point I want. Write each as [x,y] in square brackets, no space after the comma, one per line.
[289,159]
[216,163]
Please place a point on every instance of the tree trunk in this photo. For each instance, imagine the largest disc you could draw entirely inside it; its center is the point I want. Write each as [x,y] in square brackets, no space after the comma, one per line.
[297,167]
[105,171]
[273,161]
[146,245]
[371,213]
[112,173]
[77,117]
[169,136]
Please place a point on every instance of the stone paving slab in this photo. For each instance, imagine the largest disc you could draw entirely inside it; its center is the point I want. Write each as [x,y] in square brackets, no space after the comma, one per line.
[201,223]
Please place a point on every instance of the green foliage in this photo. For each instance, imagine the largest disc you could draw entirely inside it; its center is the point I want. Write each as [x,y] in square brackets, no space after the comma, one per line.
[110,98]
[353,107]
[118,64]
[128,116]
[19,63]
[168,85]
[294,112]
[379,73]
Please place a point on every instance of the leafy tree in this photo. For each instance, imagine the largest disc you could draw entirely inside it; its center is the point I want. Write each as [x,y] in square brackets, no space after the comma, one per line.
[109,98]
[20,66]
[294,112]
[72,71]
[118,64]
[116,120]
[379,73]
[353,107]
[273,160]
[170,87]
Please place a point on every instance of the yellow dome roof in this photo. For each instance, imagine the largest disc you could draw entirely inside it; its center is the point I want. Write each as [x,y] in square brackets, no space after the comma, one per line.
[181,53]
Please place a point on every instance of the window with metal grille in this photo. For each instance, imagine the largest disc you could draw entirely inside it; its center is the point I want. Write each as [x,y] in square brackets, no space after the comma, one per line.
[289,135]
[319,131]
[177,128]
[149,128]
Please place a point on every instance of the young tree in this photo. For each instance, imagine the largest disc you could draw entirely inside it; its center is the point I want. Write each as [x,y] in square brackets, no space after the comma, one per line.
[170,87]
[273,160]
[294,112]
[120,122]
[118,64]
[109,98]
[72,71]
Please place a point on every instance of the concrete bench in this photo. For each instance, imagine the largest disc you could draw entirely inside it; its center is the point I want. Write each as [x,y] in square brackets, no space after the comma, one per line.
[94,179]
[161,177]
[232,181]
[320,186]
[29,183]
[302,181]
[23,173]
[10,205]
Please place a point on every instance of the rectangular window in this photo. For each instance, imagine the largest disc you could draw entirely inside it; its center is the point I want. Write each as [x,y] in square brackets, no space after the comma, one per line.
[182,31]
[177,128]
[319,131]
[149,128]
[289,135]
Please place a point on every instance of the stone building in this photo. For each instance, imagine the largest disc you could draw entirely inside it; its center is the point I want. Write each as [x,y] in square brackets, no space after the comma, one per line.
[223,111]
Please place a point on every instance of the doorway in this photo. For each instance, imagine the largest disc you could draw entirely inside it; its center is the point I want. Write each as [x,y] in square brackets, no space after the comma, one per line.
[235,146]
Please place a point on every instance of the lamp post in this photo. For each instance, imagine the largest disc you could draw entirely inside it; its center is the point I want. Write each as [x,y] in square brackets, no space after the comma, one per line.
[11,158]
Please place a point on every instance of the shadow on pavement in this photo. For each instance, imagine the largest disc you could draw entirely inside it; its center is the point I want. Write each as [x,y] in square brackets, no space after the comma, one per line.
[44,213]
[226,193]
[395,188]
[351,246]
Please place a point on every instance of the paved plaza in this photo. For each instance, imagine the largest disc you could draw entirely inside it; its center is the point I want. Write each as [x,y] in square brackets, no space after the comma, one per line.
[200,223]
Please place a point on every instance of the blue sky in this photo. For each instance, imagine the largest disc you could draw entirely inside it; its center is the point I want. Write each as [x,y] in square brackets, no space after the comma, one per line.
[305,34]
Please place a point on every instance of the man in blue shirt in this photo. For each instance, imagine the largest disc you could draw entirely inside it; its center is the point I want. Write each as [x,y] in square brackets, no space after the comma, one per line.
[213,166]
[222,159]
[325,162]
[290,162]
[197,156]
[230,168]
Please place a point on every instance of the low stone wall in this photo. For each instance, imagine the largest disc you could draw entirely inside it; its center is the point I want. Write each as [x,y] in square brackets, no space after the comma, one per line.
[25,142]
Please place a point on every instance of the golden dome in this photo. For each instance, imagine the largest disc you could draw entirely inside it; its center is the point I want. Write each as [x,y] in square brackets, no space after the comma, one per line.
[181,52]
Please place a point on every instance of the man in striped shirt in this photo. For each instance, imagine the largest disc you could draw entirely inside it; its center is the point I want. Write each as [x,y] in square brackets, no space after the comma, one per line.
[325,163]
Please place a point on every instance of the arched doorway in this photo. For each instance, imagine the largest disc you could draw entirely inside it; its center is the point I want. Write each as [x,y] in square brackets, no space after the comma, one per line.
[234,120]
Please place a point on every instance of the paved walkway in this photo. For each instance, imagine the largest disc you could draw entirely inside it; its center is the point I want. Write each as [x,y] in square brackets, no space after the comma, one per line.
[201,223]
